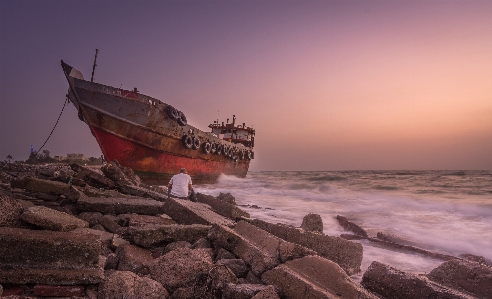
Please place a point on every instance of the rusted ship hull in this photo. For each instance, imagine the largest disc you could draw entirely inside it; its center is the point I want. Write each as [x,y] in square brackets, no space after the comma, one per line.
[138,132]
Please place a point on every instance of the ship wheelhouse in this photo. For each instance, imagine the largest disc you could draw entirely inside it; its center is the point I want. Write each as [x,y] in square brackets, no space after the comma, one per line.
[240,134]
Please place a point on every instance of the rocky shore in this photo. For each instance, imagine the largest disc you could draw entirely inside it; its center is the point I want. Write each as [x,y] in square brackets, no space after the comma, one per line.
[67,231]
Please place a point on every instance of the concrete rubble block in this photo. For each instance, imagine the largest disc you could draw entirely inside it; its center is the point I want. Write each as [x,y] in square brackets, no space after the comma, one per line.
[140,220]
[201,243]
[275,246]
[125,284]
[134,259]
[219,277]
[52,276]
[91,217]
[312,222]
[237,266]
[104,236]
[44,290]
[345,253]
[142,192]
[389,282]
[314,277]
[36,185]
[180,268]
[350,226]
[176,245]
[187,212]
[259,249]
[119,174]
[268,293]
[227,197]
[92,177]
[109,224]
[222,207]
[120,205]
[150,235]
[10,211]
[259,259]
[242,291]
[465,276]
[52,219]
[184,293]
[23,248]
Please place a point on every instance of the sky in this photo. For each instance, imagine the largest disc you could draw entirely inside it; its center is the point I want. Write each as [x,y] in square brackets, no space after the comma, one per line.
[327,85]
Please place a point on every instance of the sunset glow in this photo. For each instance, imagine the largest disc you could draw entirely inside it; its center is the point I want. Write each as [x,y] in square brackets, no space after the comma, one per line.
[328,85]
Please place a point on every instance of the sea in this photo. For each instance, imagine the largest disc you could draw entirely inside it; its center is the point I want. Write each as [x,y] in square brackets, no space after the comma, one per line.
[448,212]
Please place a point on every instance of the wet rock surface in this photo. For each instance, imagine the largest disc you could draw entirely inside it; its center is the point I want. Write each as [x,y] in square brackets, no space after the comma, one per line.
[82,232]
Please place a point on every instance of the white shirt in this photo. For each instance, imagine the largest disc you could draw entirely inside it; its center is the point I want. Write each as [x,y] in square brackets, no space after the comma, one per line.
[180,184]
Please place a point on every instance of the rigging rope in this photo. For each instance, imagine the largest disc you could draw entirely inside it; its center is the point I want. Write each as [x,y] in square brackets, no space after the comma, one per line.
[64,104]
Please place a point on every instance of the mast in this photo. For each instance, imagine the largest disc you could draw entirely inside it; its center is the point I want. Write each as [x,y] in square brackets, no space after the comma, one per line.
[94,66]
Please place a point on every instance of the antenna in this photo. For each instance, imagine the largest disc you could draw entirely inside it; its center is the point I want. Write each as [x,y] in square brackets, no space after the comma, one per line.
[94,66]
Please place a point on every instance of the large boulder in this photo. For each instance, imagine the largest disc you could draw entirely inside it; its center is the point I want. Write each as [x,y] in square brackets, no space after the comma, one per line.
[52,219]
[180,268]
[134,259]
[314,277]
[10,211]
[125,284]
[465,276]
[389,282]
[313,223]
[142,220]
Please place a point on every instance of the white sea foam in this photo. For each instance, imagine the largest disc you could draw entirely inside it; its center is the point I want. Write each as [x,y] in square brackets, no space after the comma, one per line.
[448,218]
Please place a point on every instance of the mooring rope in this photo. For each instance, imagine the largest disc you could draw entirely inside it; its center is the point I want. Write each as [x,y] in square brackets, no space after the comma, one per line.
[64,104]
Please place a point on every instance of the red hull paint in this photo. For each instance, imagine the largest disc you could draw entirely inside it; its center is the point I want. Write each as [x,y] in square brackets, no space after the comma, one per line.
[156,167]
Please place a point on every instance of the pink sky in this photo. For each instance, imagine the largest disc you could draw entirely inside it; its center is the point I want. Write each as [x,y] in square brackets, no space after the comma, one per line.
[328,85]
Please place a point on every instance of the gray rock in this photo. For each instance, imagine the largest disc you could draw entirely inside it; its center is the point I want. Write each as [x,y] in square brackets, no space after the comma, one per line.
[50,257]
[180,268]
[237,266]
[36,185]
[313,223]
[268,293]
[350,226]
[134,259]
[122,176]
[109,224]
[184,293]
[314,277]
[141,220]
[151,235]
[187,212]
[345,253]
[91,217]
[201,243]
[176,245]
[91,177]
[51,219]
[224,254]
[258,248]
[125,284]
[10,211]
[242,291]
[389,282]
[222,207]
[227,197]
[120,205]
[465,276]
